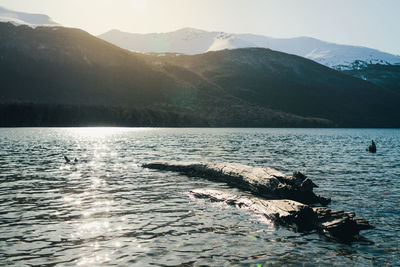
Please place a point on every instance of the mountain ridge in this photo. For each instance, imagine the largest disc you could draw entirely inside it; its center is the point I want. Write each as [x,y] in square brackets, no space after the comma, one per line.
[23,18]
[248,87]
[71,67]
[194,41]
[291,83]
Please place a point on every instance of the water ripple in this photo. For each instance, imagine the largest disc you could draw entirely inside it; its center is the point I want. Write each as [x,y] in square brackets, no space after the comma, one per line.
[107,210]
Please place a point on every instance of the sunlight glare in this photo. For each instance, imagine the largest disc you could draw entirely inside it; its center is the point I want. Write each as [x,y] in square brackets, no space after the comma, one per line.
[138,5]
[101,132]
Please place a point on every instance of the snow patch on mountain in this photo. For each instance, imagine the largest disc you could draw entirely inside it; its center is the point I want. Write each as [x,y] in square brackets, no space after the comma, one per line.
[21,18]
[329,54]
[228,41]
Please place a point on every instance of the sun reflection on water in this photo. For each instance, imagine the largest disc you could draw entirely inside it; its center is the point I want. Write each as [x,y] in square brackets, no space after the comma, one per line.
[102,132]
[93,224]
[96,159]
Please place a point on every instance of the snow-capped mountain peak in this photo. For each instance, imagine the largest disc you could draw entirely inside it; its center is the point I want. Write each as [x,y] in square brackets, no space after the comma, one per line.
[21,18]
[193,41]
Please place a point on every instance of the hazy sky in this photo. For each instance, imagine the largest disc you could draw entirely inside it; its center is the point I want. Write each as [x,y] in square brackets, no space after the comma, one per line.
[371,23]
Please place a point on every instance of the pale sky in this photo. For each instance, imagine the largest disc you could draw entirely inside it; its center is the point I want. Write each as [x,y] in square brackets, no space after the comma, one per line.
[370,23]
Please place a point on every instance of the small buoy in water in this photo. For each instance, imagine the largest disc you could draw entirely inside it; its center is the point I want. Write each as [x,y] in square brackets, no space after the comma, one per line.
[372,147]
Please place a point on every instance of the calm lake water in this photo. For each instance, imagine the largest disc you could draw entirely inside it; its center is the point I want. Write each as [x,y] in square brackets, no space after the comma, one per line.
[108,210]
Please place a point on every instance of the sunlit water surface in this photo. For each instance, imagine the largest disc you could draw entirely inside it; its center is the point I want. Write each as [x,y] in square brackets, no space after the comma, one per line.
[108,210]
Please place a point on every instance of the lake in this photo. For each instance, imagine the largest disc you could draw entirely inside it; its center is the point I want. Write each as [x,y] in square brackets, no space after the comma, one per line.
[108,210]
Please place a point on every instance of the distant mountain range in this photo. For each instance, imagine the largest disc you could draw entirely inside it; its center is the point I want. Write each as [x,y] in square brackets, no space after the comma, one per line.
[21,18]
[55,75]
[371,65]
[193,41]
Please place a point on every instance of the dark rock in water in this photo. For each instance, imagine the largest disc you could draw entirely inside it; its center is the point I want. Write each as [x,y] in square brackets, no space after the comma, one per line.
[265,182]
[336,224]
[372,147]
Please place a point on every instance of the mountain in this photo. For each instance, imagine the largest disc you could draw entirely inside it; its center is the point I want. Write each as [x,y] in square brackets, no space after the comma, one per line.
[20,18]
[387,76]
[54,66]
[332,55]
[193,41]
[65,75]
[293,84]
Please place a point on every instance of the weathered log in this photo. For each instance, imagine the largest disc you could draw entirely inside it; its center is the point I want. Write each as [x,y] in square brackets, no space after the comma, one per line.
[337,224]
[265,182]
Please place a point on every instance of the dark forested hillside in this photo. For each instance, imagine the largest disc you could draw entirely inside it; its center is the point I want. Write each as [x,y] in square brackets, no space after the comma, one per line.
[53,65]
[53,70]
[57,115]
[295,85]
[70,67]
[387,76]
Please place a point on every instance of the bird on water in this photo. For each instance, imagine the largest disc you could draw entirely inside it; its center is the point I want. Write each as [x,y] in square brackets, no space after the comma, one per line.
[67,160]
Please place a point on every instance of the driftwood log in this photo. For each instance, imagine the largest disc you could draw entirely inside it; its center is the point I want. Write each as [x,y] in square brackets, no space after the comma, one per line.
[265,182]
[332,223]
